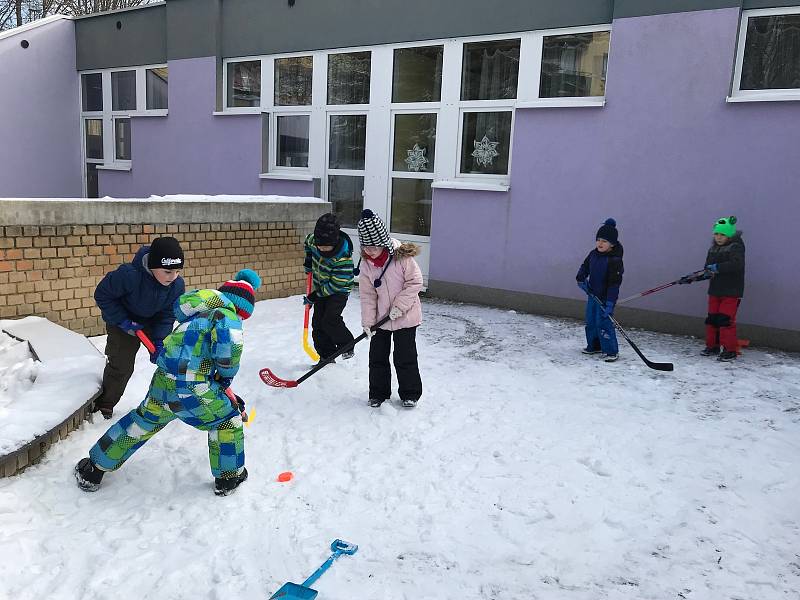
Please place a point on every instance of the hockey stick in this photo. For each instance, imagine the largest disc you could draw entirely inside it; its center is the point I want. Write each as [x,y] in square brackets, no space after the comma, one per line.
[151,348]
[660,287]
[268,377]
[312,354]
[649,363]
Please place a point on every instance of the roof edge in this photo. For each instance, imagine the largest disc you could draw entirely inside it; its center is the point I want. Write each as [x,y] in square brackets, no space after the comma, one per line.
[33,25]
[121,10]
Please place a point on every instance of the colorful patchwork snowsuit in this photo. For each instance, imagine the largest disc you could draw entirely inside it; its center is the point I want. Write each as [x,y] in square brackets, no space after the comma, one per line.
[207,342]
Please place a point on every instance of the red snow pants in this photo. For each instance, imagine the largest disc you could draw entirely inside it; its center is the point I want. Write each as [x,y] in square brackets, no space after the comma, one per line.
[721,323]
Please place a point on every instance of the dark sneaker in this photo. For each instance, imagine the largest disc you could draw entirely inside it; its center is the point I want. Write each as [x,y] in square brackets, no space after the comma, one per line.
[590,351]
[224,487]
[727,356]
[106,412]
[375,403]
[408,403]
[88,475]
[348,355]
[710,351]
[610,357]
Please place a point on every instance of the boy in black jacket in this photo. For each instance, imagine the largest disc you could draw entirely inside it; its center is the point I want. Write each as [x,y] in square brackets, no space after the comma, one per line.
[601,275]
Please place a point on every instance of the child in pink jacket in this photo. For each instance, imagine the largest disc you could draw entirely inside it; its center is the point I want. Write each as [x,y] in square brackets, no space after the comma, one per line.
[389,282]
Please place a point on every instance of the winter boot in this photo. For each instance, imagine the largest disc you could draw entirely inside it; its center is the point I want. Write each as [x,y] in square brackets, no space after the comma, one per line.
[710,351]
[727,356]
[348,355]
[88,475]
[409,403]
[610,357]
[375,402]
[225,487]
[588,350]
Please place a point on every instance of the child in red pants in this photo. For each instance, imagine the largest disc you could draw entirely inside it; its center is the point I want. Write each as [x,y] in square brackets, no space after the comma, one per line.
[725,267]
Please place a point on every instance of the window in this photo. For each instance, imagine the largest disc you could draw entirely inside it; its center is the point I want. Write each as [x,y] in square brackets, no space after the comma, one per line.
[490,70]
[346,194]
[92,92]
[244,84]
[122,139]
[768,58]
[411,206]
[293,81]
[157,88]
[293,135]
[94,138]
[485,143]
[92,184]
[417,74]
[349,78]
[123,90]
[414,142]
[574,65]
[413,166]
[348,142]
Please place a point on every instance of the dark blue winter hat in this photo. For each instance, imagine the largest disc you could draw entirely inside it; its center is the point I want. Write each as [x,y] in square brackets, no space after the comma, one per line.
[608,231]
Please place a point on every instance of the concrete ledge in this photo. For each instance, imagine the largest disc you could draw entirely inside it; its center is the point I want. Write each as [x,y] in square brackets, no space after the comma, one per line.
[783,339]
[98,212]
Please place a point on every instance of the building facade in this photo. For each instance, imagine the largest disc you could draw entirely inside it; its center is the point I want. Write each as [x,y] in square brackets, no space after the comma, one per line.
[497,137]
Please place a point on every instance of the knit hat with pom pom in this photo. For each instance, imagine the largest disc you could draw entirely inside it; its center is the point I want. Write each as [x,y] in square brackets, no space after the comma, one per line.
[608,232]
[241,290]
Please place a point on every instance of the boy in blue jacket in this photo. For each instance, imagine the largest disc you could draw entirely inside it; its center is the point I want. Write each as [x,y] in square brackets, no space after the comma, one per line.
[137,296]
[601,275]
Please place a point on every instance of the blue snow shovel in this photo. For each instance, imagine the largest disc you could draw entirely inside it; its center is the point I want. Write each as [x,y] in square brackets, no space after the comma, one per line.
[293,591]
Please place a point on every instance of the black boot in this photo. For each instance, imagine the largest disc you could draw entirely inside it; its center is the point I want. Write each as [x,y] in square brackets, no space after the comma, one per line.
[224,487]
[727,356]
[88,475]
[710,352]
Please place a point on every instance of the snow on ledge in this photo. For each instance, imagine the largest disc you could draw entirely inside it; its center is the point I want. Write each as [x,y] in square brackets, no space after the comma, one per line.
[272,199]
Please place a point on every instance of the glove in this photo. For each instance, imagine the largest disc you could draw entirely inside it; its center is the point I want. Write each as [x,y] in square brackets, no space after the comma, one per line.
[714,269]
[130,327]
[157,352]
[395,313]
[239,403]
[584,286]
[224,382]
[307,265]
[368,332]
[609,309]
[310,299]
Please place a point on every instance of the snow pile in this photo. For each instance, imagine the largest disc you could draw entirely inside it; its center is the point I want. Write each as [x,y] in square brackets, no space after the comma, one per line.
[528,471]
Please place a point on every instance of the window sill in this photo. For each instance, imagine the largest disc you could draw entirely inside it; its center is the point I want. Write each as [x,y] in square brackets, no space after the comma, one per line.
[591,102]
[113,167]
[236,113]
[149,113]
[287,176]
[481,186]
[784,97]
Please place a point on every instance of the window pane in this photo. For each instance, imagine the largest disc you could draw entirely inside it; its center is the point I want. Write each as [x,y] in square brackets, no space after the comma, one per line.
[347,142]
[486,142]
[772,53]
[244,83]
[293,81]
[411,206]
[92,190]
[414,142]
[418,74]
[574,65]
[92,91]
[123,90]
[293,141]
[490,70]
[157,90]
[348,78]
[122,139]
[346,193]
[94,138]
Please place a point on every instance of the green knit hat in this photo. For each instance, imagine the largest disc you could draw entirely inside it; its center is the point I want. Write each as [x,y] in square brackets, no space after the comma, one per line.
[726,226]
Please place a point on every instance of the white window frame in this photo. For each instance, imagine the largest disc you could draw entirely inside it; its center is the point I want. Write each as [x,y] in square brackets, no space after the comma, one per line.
[141,83]
[243,110]
[500,178]
[274,167]
[115,160]
[739,95]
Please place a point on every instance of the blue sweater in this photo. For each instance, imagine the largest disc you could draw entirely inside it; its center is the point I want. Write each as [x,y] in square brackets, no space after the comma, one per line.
[131,292]
[603,272]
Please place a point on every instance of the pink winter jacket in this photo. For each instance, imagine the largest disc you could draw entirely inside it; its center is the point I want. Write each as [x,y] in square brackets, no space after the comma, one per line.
[400,287]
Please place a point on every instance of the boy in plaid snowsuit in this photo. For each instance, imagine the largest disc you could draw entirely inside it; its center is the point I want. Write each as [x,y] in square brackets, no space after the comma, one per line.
[199,360]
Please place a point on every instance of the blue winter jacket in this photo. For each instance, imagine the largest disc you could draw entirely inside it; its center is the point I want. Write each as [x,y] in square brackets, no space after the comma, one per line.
[603,272]
[131,292]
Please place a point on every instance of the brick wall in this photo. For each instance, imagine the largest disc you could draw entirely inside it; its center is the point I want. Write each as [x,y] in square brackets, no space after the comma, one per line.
[51,270]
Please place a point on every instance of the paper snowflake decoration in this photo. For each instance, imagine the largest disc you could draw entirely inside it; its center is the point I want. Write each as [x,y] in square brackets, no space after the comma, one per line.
[485,151]
[416,160]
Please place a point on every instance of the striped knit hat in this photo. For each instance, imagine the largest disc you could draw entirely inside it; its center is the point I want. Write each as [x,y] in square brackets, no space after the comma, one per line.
[241,290]
[372,231]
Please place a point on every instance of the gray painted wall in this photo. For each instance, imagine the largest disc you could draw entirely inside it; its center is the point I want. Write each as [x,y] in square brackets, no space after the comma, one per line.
[142,40]
[40,127]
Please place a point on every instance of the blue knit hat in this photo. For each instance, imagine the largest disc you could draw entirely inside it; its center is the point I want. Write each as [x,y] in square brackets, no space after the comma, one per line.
[241,290]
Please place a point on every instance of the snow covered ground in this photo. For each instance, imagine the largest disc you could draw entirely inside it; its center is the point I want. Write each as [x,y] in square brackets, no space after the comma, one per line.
[528,471]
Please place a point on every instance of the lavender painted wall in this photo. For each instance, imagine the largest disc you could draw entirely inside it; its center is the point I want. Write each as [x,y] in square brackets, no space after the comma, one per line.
[666,156]
[40,127]
[192,151]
